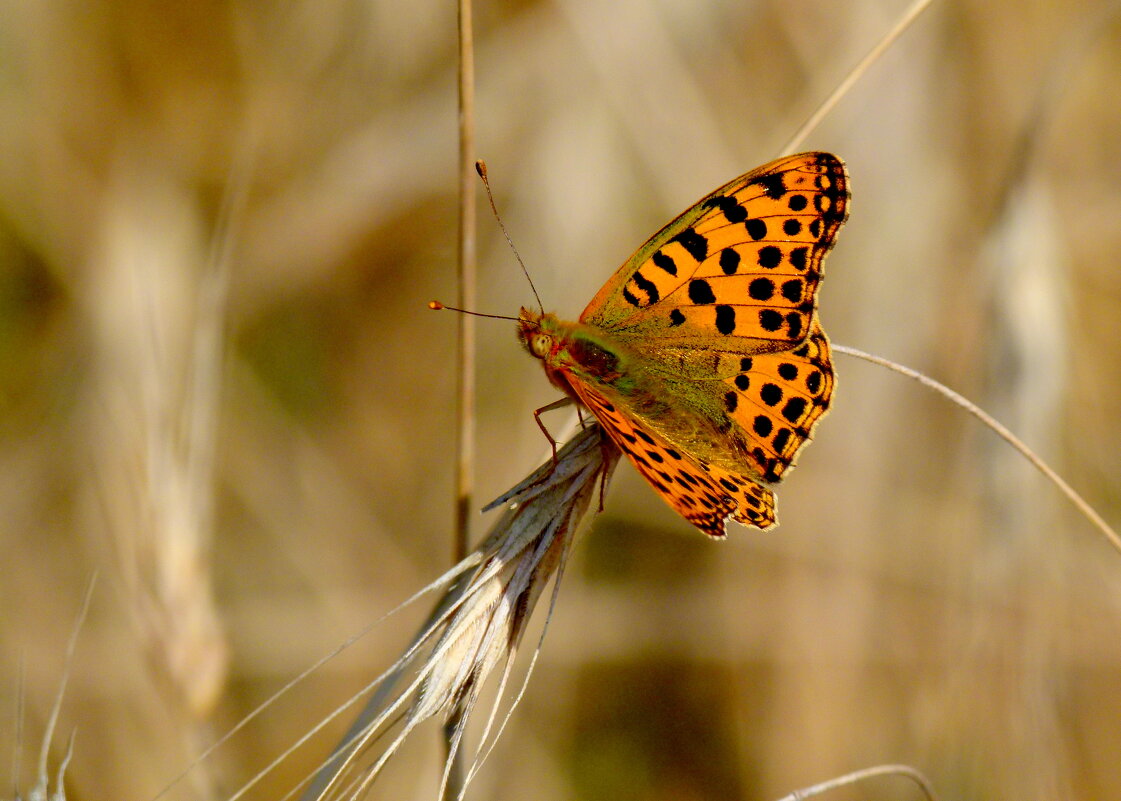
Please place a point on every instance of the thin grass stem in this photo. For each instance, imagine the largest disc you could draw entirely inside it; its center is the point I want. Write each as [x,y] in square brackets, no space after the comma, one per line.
[1083,507]
[465,357]
[863,775]
[465,424]
[857,72]
[56,708]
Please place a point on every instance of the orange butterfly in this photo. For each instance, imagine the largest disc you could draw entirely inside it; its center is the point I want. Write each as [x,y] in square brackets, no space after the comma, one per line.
[702,357]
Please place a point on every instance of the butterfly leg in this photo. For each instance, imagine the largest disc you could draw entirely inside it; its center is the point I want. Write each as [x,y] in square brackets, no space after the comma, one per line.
[609,452]
[557,404]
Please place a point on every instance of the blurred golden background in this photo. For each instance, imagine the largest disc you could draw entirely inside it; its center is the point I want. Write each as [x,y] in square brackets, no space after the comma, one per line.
[220,388]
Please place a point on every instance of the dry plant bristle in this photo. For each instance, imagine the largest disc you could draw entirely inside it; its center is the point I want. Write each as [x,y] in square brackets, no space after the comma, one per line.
[864,775]
[42,789]
[1002,431]
[476,626]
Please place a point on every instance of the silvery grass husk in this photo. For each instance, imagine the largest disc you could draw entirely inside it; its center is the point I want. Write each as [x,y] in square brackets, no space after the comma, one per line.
[42,791]
[478,624]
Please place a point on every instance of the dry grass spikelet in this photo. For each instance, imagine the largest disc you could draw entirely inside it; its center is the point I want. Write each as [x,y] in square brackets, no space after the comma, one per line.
[478,625]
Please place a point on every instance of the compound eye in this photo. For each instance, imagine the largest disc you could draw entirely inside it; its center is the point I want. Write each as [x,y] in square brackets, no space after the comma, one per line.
[540,344]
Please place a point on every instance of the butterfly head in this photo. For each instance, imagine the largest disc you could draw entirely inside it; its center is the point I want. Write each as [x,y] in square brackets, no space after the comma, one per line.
[538,332]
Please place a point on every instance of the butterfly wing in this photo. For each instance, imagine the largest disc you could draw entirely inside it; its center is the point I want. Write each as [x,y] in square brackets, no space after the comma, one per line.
[741,266]
[774,401]
[704,494]
[720,305]
[729,369]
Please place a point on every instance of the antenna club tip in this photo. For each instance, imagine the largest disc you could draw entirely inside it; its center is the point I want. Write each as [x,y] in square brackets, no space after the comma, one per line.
[481,168]
[436,305]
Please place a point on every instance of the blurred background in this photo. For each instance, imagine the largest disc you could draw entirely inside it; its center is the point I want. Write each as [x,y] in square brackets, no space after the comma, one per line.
[220,223]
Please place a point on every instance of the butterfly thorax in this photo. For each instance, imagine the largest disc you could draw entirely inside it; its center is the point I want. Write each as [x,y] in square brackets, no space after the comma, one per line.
[572,350]
[577,356]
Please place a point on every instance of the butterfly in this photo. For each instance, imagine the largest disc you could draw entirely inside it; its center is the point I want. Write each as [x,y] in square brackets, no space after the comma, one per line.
[702,357]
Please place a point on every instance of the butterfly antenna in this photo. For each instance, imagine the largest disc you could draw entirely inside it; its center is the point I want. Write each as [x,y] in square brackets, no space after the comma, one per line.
[481,168]
[436,305]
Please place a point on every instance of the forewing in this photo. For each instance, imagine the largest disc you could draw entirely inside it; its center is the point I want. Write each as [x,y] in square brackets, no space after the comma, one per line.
[741,266]
[704,494]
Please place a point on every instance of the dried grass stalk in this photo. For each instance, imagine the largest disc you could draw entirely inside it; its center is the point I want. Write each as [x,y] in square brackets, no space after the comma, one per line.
[477,626]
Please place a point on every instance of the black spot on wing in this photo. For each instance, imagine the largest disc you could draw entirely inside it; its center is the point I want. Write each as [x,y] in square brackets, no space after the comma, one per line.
[676,317]
[695,244]
[700,292]
[770,320]
[761,289]
[793,409]
[730,207]
[772,184]
[794,324]
[769,257]
[729,261]
[665,262]
[647,286]
[725,319]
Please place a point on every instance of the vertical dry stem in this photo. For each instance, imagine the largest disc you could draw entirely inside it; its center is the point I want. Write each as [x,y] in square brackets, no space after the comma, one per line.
[465,434]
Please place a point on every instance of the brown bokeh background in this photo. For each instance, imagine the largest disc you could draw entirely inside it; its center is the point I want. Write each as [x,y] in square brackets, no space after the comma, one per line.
[219,387]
